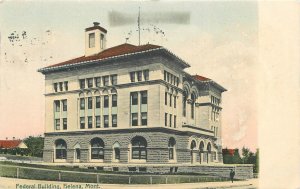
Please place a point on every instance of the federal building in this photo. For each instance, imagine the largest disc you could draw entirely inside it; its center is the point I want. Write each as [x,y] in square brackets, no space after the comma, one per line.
[131,107]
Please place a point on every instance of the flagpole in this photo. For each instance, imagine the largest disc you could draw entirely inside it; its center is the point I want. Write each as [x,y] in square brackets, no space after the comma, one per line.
[139,28]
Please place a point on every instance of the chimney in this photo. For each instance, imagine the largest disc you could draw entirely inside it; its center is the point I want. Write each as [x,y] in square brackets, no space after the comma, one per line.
[14,138]
[95,39]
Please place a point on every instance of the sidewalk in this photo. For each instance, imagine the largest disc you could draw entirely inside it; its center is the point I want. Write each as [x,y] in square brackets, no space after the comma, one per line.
[12,183]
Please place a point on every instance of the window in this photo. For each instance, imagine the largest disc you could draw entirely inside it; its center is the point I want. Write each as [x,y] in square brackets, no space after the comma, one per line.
[174,101]
[166,98]
[60,149]
[57,105]
[77,151]
[165,75]
[97,148]
[134,119]
[146,75]
[82,83]
[174,121]
[90,122]
[168,77]
[166,119]
[91,40]
[57,124]
[65,124]
[171,147]
[90,103]
[114,79]
[177,81]
[105,118]
[61,86]
[114,101]
[98,102]
[170,120]
[209,147]
[82,122]
[144,98]
[55,87]
[134,98]
[139,75]
[105,80]
[66,86]
[101,41]
[82,103]
[184,98]
[144,118]
[139,148]
[114,120]
[132,76]
[97,81]
[117,153]
[170,100]
[193,106]
[106,101]
[90,82]
[97,120]
[64,104]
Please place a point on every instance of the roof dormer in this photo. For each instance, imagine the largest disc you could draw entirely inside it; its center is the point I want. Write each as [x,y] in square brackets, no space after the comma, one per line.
[95,39]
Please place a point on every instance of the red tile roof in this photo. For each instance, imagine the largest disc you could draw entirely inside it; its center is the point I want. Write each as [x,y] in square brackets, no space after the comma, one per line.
[10,143]
[107,53]
[200,78]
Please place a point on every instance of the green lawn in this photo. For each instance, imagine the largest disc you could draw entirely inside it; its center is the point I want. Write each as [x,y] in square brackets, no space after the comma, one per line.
[68,174]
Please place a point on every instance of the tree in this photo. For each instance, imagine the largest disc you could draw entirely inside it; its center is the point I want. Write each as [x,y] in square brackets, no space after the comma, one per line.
[236,157]
[256,165]
[35,145]
[229,158]
[245,153]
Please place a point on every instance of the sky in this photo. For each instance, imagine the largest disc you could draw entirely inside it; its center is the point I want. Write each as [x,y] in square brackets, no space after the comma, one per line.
[218,40]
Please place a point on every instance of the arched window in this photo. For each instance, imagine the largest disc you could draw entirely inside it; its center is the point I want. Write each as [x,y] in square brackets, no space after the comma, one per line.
[171,147]
[139,148]
[209,147]
[116,151]
[193,98]
[208,152]
[184,99]
[201,149]
[193,145]
[97,148]
[60,149]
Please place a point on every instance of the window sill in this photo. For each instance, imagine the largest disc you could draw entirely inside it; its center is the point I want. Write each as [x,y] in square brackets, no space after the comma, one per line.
[60,160]
[138,161]
[96,160]
[115,160]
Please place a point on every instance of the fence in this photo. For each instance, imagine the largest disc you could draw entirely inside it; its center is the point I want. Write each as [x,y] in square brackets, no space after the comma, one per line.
[86,177]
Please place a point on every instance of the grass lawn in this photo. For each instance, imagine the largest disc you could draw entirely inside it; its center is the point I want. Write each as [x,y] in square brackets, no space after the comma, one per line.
[69,174]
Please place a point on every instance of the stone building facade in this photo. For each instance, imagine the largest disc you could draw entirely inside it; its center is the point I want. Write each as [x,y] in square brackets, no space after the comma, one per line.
[130,105]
